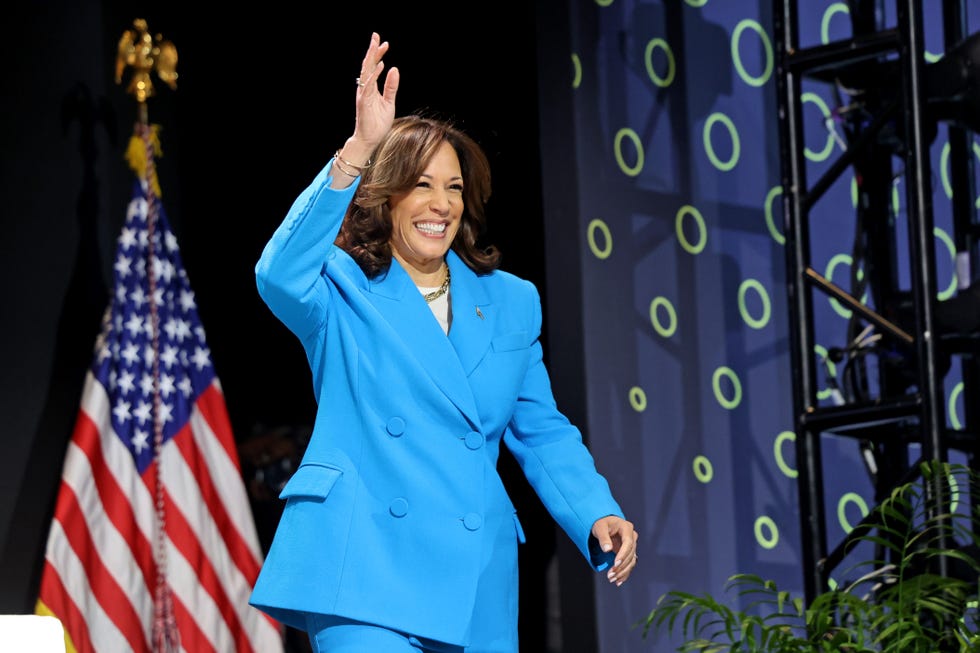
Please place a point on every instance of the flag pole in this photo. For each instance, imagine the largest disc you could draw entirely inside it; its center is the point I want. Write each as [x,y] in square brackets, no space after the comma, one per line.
[145,53]
[152,545]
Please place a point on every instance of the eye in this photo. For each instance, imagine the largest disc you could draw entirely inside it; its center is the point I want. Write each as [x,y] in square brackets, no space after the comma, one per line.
[456,188]
[423,184]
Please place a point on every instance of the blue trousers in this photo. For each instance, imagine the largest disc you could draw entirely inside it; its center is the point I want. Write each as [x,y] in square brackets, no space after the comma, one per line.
[494,625]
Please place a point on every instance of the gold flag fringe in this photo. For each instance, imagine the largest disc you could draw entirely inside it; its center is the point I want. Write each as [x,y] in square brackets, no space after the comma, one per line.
[136,156]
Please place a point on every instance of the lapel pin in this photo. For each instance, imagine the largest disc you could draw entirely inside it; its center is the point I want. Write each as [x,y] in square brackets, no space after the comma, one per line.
[479,313]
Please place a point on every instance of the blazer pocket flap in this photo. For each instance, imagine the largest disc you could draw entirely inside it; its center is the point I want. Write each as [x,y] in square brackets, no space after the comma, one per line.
[520,529]
[311,481]
[510,341]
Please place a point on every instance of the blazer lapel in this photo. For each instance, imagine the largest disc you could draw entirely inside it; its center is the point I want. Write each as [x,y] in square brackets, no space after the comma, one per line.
[472,315]
[397,298]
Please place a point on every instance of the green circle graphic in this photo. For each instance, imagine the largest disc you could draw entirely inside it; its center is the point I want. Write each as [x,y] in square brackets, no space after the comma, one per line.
[896,200]
[829,273]
[744,24]
[836,8]
[822,352]
[944,170]
[577,71]
[767,210]
[594,226]
[954,418]
[954,493]
[666,80]
[604,3]
[709,149]
[828,148]
[857,500]
[628,133]
[951,248]
[638,399]
[777,451]
[736,387]
[696,248]
[696,3]
[665,331]
[703,471]
[763,320]
[763,524]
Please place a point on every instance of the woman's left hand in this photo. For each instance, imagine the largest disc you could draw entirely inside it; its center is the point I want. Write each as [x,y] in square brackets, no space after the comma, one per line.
[375,109]
[617,534]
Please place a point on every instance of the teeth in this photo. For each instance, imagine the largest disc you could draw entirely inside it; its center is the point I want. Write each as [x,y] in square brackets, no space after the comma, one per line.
[431,227]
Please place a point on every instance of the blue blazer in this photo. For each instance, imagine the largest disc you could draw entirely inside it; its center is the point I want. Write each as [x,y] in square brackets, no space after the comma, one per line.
[384,518]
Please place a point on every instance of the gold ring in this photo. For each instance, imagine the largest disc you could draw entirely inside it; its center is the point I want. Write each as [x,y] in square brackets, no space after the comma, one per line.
[359,82]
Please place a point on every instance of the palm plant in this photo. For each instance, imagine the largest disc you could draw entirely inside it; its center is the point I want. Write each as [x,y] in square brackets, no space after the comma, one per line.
[917,595]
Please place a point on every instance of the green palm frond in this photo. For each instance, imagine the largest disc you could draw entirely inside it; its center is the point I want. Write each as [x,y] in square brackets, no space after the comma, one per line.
[895,605]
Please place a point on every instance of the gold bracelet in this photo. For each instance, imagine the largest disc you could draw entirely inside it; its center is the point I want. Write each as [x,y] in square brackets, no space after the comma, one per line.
[336,164]
[349,164]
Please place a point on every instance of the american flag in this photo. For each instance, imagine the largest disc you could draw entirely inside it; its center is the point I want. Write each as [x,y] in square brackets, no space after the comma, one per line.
[153,546]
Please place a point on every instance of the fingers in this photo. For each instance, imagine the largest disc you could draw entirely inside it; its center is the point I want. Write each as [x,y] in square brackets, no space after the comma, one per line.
[628,538]
[372,64]
[618,534]
[371,68]
[601,533]
[391,84]
[622,569]
[374,107]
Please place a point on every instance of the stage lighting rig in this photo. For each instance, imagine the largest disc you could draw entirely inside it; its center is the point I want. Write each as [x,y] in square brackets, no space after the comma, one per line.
[951,90]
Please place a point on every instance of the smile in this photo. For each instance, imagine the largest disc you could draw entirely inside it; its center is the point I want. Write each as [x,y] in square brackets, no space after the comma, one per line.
[431,228]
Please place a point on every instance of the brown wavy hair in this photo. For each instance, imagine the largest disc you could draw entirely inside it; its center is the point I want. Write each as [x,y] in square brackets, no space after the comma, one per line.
[399,161]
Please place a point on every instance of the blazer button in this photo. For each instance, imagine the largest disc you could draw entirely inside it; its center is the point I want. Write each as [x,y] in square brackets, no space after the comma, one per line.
[474,440]
[395,426]
[472,521]
[398,507]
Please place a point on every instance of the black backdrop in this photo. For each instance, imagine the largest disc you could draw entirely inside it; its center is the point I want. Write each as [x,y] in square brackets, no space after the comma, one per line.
[264,97]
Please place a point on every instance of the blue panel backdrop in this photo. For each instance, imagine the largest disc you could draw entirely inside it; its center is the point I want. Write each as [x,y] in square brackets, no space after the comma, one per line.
[674,149]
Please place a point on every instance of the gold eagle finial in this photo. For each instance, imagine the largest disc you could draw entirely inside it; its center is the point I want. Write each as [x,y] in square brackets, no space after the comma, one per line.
[143,52]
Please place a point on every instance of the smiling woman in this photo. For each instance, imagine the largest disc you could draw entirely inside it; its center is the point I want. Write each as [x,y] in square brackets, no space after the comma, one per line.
[425,219]
[398,532]
[78,194]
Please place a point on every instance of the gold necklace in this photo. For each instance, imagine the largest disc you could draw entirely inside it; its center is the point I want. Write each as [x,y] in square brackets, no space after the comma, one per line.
[440,291]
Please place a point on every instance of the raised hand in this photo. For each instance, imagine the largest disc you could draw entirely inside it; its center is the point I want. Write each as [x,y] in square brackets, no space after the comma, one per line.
[375,108]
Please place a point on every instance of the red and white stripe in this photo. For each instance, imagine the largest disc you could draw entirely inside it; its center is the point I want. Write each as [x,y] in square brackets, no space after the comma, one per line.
[99,566]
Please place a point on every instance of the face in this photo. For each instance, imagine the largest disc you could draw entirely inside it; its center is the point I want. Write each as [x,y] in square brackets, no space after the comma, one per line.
[426,218]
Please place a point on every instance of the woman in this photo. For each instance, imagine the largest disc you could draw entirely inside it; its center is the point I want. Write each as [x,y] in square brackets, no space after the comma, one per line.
[398,534]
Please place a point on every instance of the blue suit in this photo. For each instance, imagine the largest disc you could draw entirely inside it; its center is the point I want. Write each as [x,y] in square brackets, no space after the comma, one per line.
[397,507]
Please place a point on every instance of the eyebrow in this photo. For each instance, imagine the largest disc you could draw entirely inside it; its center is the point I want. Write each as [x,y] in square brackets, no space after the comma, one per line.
[456,178]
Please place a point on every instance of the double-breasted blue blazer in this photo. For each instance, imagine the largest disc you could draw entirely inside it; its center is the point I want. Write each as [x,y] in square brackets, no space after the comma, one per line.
[386,517]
